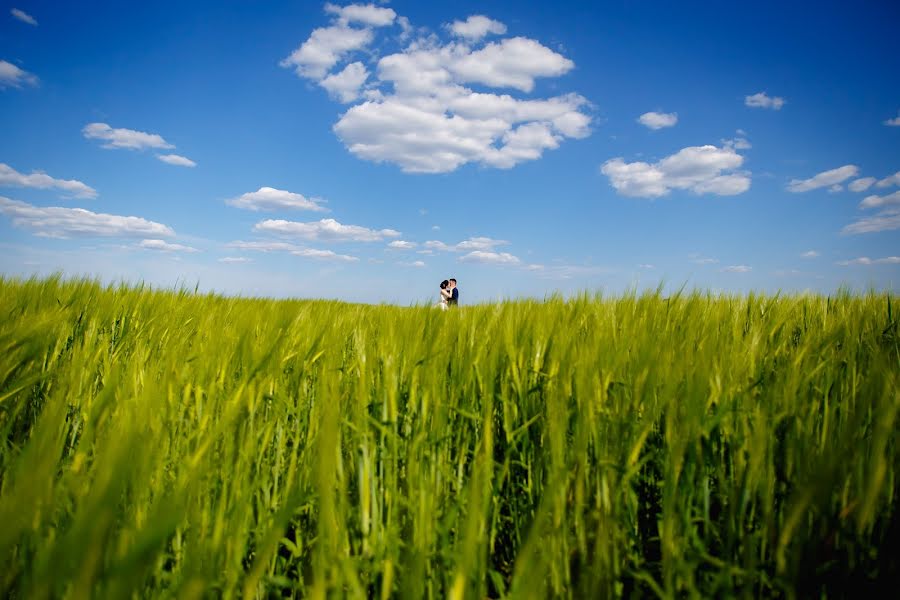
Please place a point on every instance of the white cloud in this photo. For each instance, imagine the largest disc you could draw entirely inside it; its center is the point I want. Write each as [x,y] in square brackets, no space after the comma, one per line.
[514,62]
[417,264]
[835,188]
[700,169]
[762,100]
[895,122]
[164,246]
[327,255]
[264,246]
[13,76]
[175,159]
[124,138]
[12,178]
[646,266]
[325,230]
[865,260]
[889,180]
[655,120]
[476,27]
[61,222]
[326,46]
[490,258]
[344,86]
[271,246]
[365,14]
[875,201]
[737,269]
[467,245]
[235,259]
[887,220]
[419,114]
[823,179]
[810,254]
[861,184]
[23,16]
[267,198]
[402,245]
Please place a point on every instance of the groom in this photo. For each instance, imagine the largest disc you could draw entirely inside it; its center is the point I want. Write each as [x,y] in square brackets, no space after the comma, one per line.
[453,300]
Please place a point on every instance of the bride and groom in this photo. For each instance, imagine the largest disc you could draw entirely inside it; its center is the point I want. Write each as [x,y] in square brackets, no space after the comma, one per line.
[449,294]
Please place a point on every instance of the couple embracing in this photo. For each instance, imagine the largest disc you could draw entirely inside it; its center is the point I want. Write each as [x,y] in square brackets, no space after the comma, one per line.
[449,294]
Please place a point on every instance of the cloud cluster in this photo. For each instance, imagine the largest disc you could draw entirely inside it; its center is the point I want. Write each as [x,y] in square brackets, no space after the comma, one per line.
[895,122]
[325,230]
[58,222]
[12,178]
[656,120]
[763,100]
[700,169]
[417,111]
[831,178]
[13,76]
[491,258]
[267,198]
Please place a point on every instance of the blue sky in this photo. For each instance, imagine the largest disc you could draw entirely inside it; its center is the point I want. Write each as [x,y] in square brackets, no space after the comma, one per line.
[367,151]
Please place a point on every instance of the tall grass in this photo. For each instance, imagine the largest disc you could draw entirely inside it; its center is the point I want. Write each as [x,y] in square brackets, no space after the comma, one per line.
[169,444]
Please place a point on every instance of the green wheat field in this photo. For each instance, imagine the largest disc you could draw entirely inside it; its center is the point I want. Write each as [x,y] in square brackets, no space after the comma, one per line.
[165,443]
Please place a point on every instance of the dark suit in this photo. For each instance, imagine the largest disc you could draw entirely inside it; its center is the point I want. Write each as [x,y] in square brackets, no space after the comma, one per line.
[453,300]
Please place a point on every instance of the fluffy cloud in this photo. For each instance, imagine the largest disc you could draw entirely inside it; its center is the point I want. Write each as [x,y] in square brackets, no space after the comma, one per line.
[175,159]
[889,180]
[491,258]
[476,27]
[861,184]
[865,260]
[810,254]
[875,201]
[762,100]
[325,230]
[124,138]
[895,122]
[344,86]
[23,16]
[12,178]
[326,46]
[13,76]
[267,198]
[61,222]
[700,169]
[737,269]
[823,179]
[416,264]
[419,114]
[402,245]
[365,14]
[886,220]
[164,246]
[655,120]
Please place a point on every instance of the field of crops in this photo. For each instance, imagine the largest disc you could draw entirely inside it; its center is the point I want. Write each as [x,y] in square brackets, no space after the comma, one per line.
[173,444]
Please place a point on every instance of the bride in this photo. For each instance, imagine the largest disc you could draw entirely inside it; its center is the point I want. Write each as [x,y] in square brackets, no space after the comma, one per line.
[445,295]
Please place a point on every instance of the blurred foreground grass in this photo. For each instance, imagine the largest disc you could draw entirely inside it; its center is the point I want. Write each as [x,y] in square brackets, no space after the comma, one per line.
[168,444]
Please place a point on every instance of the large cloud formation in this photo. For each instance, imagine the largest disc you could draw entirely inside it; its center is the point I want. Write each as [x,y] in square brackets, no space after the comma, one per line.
[420,108]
